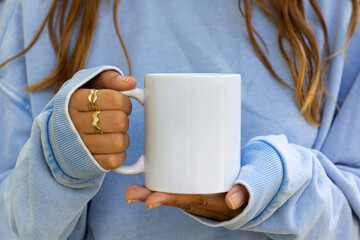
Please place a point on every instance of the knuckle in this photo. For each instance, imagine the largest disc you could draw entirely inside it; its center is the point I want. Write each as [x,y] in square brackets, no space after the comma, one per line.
[107,97]
[123,121]
[116,98]
[120,141]
[111,162]
[123,156]
[115,119]
[125,103]
[126,142]
[117,141]
[129,106]
[120,102]
[110,97]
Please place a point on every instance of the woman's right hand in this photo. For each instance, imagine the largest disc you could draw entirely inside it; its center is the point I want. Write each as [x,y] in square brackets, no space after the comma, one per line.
[108,148]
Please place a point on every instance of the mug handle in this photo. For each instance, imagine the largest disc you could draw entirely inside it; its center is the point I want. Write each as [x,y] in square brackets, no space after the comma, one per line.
[139,166]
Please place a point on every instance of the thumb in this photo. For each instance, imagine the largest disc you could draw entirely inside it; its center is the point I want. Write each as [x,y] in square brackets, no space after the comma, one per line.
[237,197]
[112,80]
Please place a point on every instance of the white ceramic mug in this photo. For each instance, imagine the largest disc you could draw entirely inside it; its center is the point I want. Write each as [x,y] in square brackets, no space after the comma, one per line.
[192,132]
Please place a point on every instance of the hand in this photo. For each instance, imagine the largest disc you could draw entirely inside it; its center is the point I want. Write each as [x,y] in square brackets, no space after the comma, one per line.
[220,207]
[108,148]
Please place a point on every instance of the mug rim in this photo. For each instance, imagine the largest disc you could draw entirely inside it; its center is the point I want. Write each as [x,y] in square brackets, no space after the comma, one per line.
[171,75]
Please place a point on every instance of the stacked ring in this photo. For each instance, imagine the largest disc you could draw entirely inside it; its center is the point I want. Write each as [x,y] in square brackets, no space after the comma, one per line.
[93,107]
[92,99]
[95,121]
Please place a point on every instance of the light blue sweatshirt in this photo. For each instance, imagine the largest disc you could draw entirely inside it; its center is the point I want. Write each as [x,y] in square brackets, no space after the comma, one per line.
[304,181]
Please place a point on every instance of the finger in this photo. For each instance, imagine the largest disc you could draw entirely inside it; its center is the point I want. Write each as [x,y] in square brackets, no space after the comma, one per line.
[112,80]
[110,161]
[136,193]
[108,143]
[211,206]
[237,197]
[206,201]
[111,121]
[203,212]
[106,100]
[213,202]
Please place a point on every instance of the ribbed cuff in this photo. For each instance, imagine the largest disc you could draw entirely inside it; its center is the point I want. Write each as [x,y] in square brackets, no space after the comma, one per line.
[70,153]
[261,173]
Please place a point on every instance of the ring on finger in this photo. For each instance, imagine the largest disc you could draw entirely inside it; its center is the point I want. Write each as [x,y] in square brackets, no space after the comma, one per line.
[95,121]
[92,99]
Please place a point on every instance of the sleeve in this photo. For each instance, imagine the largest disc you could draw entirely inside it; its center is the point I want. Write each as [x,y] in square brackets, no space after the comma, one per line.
[47,175]
[45,194]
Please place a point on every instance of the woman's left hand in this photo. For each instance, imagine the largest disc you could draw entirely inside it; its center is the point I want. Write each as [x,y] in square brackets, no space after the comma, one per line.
[220,207]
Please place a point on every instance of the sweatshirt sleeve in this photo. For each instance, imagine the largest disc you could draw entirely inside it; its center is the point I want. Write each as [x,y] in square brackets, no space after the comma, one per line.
[45,194]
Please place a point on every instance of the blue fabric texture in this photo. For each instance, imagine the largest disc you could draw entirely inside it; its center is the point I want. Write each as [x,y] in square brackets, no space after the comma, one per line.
[303,180]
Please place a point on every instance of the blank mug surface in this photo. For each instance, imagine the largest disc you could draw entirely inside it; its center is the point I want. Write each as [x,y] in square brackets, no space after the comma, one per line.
[192,132]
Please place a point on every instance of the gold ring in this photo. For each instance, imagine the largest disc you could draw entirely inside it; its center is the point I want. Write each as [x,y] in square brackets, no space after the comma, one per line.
[92,104]
[95,121]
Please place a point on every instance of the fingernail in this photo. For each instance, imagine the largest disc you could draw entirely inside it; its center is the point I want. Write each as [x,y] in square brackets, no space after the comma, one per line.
[132,201]
[236,200]
[154,205]
[131,187]
[131,80]
[125,79]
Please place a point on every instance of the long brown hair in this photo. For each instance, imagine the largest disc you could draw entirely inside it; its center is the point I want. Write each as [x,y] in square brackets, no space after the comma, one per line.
[61,20]
[305,64]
